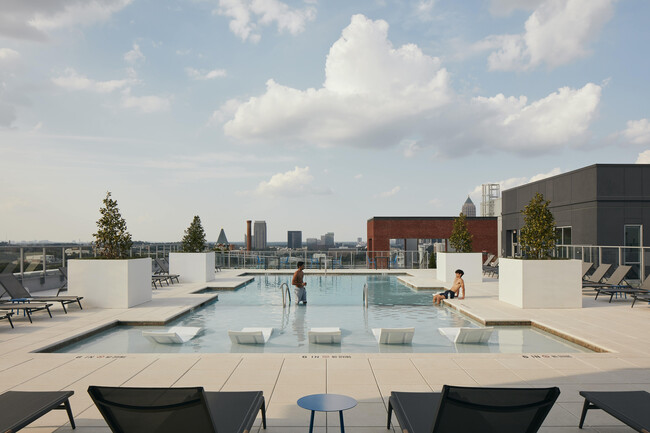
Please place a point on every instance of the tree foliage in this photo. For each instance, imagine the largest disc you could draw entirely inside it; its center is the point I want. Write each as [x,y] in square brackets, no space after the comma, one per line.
[112,239]
[194,239]
[537,237]
[461,238]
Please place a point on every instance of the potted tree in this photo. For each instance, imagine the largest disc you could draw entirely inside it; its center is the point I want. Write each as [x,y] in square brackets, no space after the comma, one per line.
[194,264]
[463,258]
[113,280]
[536,280]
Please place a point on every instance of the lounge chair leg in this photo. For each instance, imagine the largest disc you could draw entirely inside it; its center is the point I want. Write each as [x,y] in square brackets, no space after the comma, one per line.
[79,302]
[48,311]
[390,411]
[64,309]
[633,302]
[68,409]
[611,297]
[585,408]
[597,293]
[10,322]
[263,414]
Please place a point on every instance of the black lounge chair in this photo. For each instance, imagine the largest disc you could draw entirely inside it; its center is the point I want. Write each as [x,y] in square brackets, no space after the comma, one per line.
[64,285]
[470,409]
[629,407]
[26,307]
[172,410]
[21,408]
[640,297]
[5,314]
[163,271]
[18,292]
[597,275]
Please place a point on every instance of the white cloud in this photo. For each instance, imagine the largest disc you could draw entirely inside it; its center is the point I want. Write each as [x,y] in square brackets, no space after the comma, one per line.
[371,95]
[505,7]
[556,33]
[638,131]
[376,95]
[145,104]
[197,74]
[358,176]
[71,80]
[512,182]
[32,19]
[248,16]
[296,182]
[134,55]
[8,55]
[644,157]
[389,193]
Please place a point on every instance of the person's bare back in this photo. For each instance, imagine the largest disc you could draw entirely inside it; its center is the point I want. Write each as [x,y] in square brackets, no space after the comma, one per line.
[457,286]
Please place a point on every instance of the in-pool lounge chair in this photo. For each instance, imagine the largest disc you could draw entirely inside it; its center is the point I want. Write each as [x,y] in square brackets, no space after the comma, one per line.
[173,410]
[173,335]
[394,335]
[629,407]
[250,335]
[6,314]
[19,293]
[21,408]
[597,275]
[324,335]
[468,409]
[467,335]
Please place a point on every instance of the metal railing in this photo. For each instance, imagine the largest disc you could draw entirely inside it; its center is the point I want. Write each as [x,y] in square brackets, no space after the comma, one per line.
[636,257]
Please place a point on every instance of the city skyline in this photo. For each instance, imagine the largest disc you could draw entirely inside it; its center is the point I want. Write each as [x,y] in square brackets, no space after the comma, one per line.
[307,114]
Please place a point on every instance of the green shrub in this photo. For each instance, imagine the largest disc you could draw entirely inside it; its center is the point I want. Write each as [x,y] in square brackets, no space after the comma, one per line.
[537,237]
[461,238]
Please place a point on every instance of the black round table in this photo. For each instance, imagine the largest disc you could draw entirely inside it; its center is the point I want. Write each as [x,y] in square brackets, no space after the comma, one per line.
[326,403]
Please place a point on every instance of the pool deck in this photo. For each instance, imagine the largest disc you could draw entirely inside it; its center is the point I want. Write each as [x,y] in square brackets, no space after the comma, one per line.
[622,331]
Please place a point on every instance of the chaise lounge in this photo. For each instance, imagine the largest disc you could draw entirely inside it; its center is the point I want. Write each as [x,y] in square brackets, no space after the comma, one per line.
[19,293]
[6,314]
[21,408]
[471,409]
[629,407]
[172,410]
[393,335]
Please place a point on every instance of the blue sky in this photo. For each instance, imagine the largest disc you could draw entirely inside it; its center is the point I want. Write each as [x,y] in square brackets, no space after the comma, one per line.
[311,115]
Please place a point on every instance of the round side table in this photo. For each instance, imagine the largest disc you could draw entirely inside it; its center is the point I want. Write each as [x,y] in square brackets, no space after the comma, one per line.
[326,403]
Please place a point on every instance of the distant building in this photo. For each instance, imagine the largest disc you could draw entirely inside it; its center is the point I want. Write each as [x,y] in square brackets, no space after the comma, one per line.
[294,239]
[491,202]
[469,210]
[222,240]
[259,235]
[327,240]
[312,243]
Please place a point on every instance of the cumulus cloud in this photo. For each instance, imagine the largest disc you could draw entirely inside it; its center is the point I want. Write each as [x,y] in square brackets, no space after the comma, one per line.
[644,157]
[298,181]
[514,182]
[134,55]
[377,95]
[556,33]
[32,20]
[371,95]
[202,74]
[389,193]
[247,17]
[71,80]
[638,131]
[505,7]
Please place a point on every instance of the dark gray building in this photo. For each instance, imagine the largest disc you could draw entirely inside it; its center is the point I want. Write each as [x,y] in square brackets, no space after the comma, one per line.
[294,239]
[598,205]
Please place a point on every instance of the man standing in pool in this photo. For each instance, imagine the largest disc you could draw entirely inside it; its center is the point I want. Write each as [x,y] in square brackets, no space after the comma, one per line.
[298,282]
[458,285]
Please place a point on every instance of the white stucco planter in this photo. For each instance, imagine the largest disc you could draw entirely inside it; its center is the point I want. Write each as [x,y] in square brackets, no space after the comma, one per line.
[192,267]
[470,263]
[541,283]
[110,283]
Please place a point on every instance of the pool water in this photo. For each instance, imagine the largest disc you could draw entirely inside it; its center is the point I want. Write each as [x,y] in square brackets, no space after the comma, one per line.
[333,301]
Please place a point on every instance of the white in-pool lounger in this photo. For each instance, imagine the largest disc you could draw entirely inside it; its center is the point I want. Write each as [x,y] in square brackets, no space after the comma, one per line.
[394,335]
[250,335]
[467,335]
[324,335]
[174,335]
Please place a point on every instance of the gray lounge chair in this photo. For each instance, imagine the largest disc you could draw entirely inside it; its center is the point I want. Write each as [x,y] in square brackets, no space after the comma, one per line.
[21,408]
[585,268]
[163,267]
[644,293]
[470,409]
[64,284]
[172,410]
[18,292]
[26,307]
[6,314]
[598,274]
[629,407]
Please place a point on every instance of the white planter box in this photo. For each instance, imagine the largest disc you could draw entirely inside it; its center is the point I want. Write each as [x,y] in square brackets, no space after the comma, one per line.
[470,263]
[192,267]
[110,283]
[541,283]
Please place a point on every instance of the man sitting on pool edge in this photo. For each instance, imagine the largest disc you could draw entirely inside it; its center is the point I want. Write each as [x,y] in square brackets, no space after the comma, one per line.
[298,282]
[458,285]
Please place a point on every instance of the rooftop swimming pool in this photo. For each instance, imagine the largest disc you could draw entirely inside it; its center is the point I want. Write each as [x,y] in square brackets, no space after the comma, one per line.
[333,301]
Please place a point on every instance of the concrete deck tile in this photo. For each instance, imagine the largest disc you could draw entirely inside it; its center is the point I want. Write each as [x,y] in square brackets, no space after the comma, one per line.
[595,418]
[449,377]
[361,393]
[291,415]
[356,376]
[362,415]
